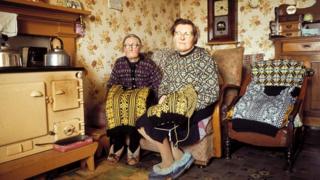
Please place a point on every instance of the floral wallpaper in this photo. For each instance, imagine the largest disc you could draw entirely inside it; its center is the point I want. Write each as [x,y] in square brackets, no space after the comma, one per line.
[253,23]
[151,20]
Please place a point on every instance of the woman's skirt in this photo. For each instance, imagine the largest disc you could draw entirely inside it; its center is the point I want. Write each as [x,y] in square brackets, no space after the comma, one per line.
[185,134]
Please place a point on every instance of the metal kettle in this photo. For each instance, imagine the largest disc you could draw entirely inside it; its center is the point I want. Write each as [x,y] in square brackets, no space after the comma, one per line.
[56,56]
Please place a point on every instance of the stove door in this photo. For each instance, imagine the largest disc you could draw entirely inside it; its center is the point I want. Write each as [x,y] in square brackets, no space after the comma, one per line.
[67,128]
[23,112]
[65,94]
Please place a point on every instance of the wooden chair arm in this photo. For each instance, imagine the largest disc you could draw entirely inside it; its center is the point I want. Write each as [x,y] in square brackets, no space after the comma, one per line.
[300,99]
[226,87]
[233,102]
[303,89]
[296,109]
[309,72]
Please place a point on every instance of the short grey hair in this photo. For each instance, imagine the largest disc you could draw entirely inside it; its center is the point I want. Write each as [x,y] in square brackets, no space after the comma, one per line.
[129,36]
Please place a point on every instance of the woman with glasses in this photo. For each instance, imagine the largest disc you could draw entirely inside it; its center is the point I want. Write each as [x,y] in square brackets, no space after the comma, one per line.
[131,71]
[189,65]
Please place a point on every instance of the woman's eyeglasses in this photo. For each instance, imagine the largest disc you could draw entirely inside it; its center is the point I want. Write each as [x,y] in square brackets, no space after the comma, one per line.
[135,46]
[184,34]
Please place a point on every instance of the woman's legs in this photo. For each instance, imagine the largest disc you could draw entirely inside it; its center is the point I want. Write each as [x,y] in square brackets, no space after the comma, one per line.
[174,161]
[117,142]
[164,149]
[165,153]
[133,150]
[176,152]
[134,140]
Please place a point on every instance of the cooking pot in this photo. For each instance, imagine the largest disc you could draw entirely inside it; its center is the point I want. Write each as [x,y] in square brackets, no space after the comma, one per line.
[56,56]
[9,58]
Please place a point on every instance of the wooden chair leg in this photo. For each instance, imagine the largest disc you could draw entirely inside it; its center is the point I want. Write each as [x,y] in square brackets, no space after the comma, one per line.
[201,164]
[290,156]
[227,147]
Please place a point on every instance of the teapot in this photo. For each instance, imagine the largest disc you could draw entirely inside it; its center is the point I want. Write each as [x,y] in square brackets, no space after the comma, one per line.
[56,56]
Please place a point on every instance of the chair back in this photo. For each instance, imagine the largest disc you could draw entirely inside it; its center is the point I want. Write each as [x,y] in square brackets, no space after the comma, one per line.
[230,63]
[230,66]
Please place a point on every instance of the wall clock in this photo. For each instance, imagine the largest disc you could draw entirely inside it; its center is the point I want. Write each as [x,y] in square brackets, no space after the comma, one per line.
[291,9]
[221,8]
[222,21]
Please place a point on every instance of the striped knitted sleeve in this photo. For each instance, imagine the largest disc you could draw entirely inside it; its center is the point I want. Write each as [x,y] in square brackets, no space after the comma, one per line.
[114,77]
[155,77]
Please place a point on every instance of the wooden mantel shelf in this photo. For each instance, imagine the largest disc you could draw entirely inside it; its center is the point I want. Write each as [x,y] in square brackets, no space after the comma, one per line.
[47,6]
[41,9]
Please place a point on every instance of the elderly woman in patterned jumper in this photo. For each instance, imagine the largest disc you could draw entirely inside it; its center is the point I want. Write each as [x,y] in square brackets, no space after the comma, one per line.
[188,65]
[133,70]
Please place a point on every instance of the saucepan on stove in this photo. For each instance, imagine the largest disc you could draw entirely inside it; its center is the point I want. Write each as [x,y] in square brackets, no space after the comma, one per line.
[56,56]
[9,58]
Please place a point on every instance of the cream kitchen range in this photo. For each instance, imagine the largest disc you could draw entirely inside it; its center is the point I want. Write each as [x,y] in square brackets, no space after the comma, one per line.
[39,107]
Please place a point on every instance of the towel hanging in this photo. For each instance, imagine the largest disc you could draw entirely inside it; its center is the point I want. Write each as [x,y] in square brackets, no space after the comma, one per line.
[8,24]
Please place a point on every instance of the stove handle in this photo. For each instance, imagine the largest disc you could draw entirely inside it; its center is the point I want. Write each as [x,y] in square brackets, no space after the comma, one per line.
[60,92]
[36,94]
[52,133]
[69,130]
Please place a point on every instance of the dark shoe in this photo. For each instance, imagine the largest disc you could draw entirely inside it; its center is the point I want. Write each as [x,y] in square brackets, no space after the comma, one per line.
[182,165]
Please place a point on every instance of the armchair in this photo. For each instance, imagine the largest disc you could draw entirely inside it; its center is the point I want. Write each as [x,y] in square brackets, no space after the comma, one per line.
[230,66]
[268,110]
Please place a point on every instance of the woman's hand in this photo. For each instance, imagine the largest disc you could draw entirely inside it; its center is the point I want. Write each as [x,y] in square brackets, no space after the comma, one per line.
[162,99]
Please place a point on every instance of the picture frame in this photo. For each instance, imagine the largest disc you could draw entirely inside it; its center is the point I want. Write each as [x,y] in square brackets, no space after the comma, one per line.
[222,21]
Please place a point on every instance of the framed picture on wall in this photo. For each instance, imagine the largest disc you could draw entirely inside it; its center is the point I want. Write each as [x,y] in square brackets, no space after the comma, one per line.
[222,21]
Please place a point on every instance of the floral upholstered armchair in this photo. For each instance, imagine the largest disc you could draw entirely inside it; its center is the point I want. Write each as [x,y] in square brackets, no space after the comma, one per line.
[230,66]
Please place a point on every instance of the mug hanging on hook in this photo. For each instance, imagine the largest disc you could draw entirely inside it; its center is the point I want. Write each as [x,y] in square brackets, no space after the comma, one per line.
[80,27]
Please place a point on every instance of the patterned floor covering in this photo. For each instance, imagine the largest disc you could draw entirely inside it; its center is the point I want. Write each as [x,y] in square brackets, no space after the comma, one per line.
[247,163]
[257,163]
[106,170]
